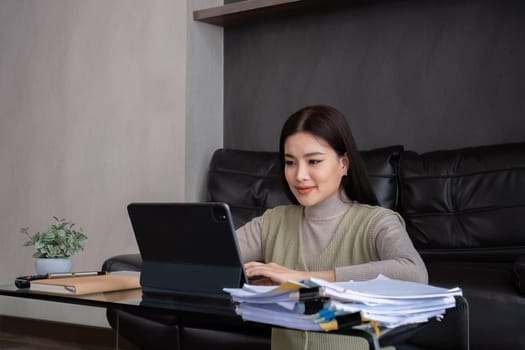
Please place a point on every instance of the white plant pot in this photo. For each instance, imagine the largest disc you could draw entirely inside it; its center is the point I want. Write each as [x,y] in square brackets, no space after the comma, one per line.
[44,266]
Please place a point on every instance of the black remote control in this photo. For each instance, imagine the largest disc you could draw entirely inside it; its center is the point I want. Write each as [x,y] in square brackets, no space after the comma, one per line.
[25,281]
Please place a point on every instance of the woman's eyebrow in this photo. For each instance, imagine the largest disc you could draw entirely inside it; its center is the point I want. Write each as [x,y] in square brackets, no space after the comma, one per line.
[309,154]
[313,154]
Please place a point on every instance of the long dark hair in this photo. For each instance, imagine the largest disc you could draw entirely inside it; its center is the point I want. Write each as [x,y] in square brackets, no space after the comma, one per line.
[329,124]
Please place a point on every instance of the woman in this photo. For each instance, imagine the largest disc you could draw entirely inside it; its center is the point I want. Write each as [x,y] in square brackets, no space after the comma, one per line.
[335,230]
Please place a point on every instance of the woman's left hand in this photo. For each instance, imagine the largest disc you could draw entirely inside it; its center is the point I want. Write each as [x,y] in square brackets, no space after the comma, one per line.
[274,272]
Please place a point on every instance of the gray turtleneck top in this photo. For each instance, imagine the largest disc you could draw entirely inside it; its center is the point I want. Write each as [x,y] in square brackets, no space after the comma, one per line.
[397,256]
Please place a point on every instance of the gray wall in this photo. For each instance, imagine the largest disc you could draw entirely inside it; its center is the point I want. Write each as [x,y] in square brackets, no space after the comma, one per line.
[204,98]
[426,74]
[101,104]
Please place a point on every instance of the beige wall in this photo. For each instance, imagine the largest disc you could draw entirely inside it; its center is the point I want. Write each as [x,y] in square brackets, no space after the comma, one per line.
[93,106]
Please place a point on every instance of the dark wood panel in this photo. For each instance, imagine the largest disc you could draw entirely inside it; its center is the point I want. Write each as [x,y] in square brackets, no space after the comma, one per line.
[426,74]
[250,10]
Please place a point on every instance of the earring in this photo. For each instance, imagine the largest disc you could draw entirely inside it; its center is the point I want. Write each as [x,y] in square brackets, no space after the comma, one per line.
[345,173]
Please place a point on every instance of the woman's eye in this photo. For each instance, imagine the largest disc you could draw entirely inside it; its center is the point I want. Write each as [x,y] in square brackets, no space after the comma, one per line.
[314,161]
[289,163]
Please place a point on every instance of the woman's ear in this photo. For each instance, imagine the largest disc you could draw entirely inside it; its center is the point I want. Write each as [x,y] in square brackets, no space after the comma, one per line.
[345,161]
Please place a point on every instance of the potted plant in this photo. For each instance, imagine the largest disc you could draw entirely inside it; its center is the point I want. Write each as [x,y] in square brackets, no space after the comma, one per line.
[55,246]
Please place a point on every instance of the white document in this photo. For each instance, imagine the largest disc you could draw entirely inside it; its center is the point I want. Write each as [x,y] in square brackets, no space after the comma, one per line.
[381,290]
[416,306]
[266,294]
[275,315]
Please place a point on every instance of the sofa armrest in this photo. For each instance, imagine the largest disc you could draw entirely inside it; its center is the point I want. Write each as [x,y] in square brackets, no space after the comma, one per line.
[519,273]
[127,262]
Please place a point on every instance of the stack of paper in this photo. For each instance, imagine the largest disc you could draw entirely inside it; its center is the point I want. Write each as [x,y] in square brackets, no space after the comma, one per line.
[316,304]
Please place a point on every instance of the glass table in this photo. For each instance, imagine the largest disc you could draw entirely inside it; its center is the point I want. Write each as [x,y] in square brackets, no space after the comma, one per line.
[195,312]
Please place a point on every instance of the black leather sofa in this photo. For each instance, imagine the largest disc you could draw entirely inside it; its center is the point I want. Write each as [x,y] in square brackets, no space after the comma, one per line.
[464,210]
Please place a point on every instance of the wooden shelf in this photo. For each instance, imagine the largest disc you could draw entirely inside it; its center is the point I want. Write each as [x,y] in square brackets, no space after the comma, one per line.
[249,10]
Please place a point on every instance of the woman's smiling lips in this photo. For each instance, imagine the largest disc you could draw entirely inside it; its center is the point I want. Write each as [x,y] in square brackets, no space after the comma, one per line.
[304,190]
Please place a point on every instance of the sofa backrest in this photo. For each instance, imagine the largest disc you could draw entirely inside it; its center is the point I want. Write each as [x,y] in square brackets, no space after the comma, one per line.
[465,204]
[469,200]
[250,181]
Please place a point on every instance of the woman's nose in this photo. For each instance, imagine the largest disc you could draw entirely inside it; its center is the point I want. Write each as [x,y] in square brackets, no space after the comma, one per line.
[302,172]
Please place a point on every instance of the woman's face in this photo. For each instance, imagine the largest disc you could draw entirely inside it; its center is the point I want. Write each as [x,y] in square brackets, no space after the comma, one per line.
[312,168]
